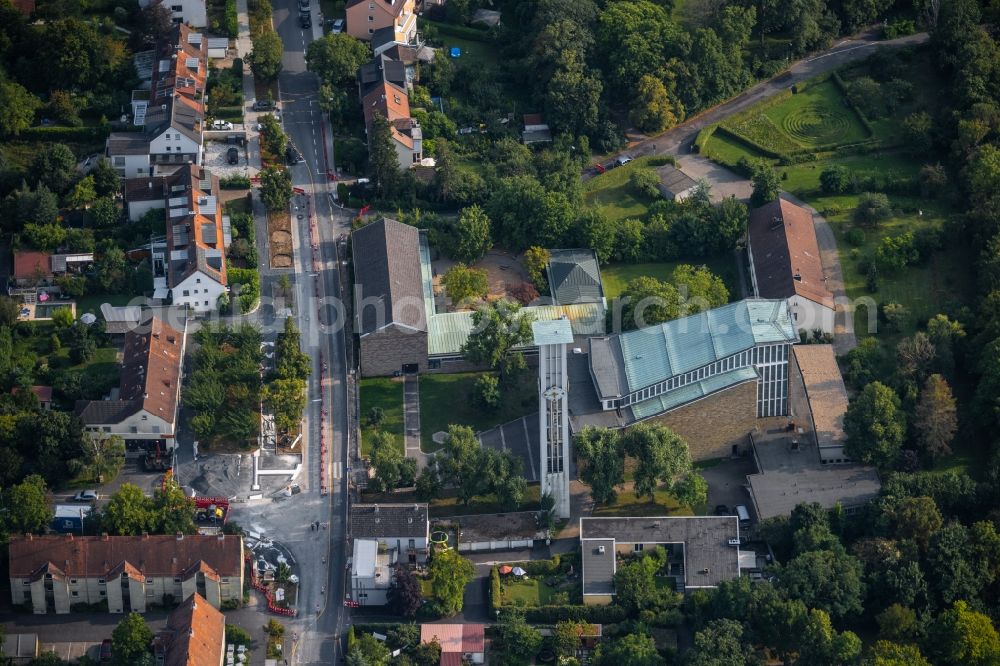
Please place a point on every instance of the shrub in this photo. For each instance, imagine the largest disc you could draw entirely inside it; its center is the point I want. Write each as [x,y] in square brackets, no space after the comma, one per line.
[595,614]
[856,237]
[65,134]
[894,316]
[834,180]
[524,293]
[495,597]
[873,207]
[488,391]
[234,183]
[232,20]
[645,183]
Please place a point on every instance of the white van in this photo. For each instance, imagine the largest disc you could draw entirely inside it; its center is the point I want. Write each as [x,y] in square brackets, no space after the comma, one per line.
[744,516]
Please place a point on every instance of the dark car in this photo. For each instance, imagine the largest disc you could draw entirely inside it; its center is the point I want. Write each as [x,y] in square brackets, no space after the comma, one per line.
[233,155]
[305,20]
[263,105]
[304,5]
[721,510]
[105,650]
[292,154]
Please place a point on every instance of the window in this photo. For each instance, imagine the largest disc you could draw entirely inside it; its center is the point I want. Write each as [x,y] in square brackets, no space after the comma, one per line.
[371,5]
[133,429]
[224,580]
[103,593]
[412,544]
[168,149]
[72,581]
[370,31]
[176,8]
[106,428]
[26,582]
[149,581]
[177,580]
[186,292]
[197,280]
[75,593]
[206,303]
[145,418]
[637,548]
[371,19]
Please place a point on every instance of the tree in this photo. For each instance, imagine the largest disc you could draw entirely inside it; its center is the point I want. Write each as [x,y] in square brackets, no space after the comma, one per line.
[17,108]
[173,511]
[825,579]
[366,650]
[504,474]
[449,573]
[275,188]
[487,391]
[383,163]
[898,623]
[635,649]
[110,267]
[131,639]
[462,463]
[934,420]
[103,457]
[566,637]
[404,596]
[647,301]
[915,518]
[336,58]
[388,461]
[691,490]
[536,262]
[515,641]
[645,183]
[652,110]
[572,98]
[822,645]
[83,194]
[886,653]
[604,469]
[872,208]
[961,636]
[498,328]
[54,167]
[720,643]
[128,512]
[661,454]
[635,583]
[700,288]
[464,285]
[766,185]
[875,426]
[472,238]
[272,137]
[265,59]
[26,507]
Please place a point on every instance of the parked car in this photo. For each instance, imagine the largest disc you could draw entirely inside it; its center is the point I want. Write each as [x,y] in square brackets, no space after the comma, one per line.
[305,20]
[233,155]
[304,5]
[86,496]
[263,105]
[292,154]
[105,650]
[337,27]
[623,160]
[721,510]
[220,124]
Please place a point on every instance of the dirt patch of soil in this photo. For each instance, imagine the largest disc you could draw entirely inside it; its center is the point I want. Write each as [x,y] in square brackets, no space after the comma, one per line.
[504,272]
[279,231]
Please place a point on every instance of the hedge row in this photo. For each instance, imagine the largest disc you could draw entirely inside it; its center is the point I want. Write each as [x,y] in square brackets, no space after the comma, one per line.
[750,143]
[66,134]
[596,614]
[230,113]
[235,183]
[460,31]
[495,596]
[232,20]
[703,137]
[842,87]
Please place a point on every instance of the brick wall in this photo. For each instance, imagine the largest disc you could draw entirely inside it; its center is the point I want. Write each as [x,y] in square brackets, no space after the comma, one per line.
[712,425]
[385,352]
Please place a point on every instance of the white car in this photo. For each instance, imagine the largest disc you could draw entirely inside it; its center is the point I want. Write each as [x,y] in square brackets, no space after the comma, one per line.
[222,125]
[338,26]
[86,496]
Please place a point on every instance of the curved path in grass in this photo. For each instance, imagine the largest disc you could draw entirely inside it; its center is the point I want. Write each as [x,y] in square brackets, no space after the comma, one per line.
[679,139]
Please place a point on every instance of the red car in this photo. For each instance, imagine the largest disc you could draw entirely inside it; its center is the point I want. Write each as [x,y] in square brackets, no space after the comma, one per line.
[599,167]
[106,650]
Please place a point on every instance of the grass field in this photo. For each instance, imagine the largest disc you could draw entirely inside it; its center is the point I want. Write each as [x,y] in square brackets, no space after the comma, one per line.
[616,276]
[630,505]
[451,506]
[92,302]
[611,194]
[528,593]
[476,51]
[450,399]
[387,394]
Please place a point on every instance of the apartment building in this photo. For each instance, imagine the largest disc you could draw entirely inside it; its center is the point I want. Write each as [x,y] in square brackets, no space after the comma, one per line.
[364,17]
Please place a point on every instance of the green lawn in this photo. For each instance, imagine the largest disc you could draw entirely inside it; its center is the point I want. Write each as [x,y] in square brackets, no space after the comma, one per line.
[450,399]
[610,192]
[528,593]
[92,302]
[388,394]
[476,51]
[630,505]
[616,276]
[451,506]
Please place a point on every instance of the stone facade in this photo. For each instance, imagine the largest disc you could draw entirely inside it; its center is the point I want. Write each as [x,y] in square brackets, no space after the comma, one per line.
[713,425]
[387,350]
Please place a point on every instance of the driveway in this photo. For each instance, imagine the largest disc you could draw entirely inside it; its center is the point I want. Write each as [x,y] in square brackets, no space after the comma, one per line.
[724,183]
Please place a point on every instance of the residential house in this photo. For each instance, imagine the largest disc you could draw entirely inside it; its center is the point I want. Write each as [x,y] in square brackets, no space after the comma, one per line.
[371,572]
[364,17]
[33,270]
[702,551]
[401,528]
[191,12]
[807,463]
[120,320]
[785,262]
[43,393]
[195,635]
[382,85]
[709,376]
[19,649]
[171,111]
[396,316]
[52,573]
[460,643]
[536,130]
[143,410]
[674,183]
[384,42]
[574,277]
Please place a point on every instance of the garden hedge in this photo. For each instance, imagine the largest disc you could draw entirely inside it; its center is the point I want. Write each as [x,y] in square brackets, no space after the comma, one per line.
[460,31]
[65,134]
[596,614]
[230,113]
[495,598]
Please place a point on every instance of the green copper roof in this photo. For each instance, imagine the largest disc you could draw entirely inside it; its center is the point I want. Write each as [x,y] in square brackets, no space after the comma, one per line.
[656,353]
[691,392]
[555,332]
[448,331]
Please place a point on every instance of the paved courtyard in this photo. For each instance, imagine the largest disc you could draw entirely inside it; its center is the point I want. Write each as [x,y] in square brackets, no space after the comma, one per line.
[520,437]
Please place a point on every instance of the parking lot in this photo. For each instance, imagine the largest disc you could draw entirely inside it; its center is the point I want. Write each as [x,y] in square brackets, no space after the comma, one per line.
[217,162]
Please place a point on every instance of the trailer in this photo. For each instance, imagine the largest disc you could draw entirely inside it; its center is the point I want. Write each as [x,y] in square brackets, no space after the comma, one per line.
[69,518]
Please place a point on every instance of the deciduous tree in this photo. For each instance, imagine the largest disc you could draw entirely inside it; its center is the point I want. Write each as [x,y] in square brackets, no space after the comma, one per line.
[449,574]
[404,596]
[265,58]
[875,425]
[465,285]
[497,329]
[130,640]
[275,188]
[604,467]
[935,418]
[336,58]
[652,110]
[766,185]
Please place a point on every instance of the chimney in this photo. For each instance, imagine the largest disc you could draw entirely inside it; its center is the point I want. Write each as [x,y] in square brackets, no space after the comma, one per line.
[145,536]
[797,276]
[104,536]
[69,537]
[29,537]
[222,536]
[180,537]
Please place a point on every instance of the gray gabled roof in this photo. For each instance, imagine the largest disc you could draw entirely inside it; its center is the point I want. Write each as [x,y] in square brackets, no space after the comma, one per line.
[673,180]
[387,280]
[375,521]
[575,277]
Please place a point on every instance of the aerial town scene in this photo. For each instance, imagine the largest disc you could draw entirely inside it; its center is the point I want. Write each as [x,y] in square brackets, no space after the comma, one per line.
[500,332]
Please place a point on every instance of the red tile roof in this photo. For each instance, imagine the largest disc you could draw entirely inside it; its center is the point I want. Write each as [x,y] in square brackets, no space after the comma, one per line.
[195,634]
[152,556]
[786,254]
[43,393]
[151,368]
[455,640]
[29,265]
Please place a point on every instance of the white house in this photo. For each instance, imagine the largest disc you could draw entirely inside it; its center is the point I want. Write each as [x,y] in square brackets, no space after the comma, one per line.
[403,529]
[143,410]
[191,12]
[785,262]
[371,572]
